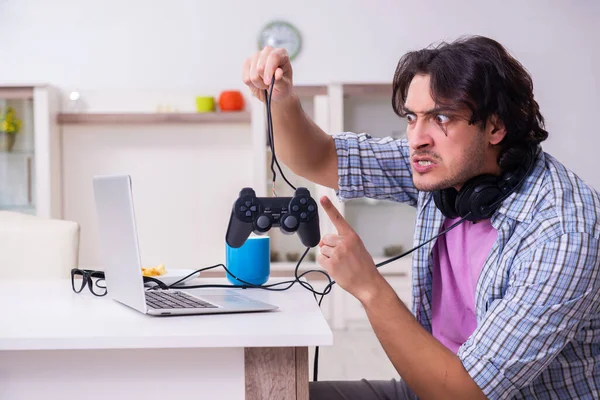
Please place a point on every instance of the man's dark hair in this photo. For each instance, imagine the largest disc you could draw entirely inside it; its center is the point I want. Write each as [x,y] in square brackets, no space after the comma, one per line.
[478,73]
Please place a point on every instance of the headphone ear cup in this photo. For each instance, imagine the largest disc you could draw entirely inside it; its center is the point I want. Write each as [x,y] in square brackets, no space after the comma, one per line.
[476,195]
[445,201]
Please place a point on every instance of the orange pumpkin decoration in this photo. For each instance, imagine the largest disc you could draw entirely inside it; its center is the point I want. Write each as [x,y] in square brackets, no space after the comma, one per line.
[231,100]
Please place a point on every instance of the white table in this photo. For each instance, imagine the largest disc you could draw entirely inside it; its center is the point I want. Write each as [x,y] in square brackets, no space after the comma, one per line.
[56,344]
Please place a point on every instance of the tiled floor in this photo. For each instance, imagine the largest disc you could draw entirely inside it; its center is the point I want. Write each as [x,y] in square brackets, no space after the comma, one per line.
[355,354]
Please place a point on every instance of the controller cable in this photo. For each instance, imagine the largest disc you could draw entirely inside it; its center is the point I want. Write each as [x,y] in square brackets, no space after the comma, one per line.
[274,160]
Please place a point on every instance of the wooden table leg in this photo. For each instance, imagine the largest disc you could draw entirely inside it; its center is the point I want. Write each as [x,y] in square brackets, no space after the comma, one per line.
[276,373]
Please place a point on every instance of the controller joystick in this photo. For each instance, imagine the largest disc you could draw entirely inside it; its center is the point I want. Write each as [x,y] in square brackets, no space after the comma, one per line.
[297,214]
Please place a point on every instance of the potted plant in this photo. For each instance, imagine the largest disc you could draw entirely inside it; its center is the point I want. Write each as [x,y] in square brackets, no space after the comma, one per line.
[10,126]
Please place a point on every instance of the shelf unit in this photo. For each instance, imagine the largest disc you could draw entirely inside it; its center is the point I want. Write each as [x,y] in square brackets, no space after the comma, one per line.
[367,108]
[154,118]
[31,174]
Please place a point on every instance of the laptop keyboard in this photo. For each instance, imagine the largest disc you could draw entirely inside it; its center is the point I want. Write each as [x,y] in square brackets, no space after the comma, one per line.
[159,299]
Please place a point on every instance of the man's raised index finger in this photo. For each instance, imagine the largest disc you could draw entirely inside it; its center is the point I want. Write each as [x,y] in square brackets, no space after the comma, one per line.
[334,215]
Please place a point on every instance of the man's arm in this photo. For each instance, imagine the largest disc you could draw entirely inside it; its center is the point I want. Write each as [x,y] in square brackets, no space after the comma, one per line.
[428,367]
[353,165]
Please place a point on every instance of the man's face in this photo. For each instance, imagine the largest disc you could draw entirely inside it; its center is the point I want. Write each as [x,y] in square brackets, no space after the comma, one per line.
[445,150]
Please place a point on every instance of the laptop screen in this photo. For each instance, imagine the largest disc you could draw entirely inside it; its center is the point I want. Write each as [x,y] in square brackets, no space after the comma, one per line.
[119,240]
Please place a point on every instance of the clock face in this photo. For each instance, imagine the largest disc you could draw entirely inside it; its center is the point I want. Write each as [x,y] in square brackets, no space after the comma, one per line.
[280,34]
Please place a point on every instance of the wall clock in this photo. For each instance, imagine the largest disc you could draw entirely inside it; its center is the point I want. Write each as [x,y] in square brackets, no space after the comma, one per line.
[281,34]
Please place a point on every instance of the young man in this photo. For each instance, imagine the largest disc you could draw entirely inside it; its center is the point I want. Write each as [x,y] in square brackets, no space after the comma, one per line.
[507,303]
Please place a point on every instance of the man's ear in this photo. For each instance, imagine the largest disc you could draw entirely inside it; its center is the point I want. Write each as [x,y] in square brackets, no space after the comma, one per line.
[497,130]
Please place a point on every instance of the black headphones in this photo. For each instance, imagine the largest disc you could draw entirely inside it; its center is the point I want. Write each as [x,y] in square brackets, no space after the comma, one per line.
[481,196]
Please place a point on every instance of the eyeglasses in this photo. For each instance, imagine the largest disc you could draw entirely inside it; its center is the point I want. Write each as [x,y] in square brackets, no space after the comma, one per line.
[86,279]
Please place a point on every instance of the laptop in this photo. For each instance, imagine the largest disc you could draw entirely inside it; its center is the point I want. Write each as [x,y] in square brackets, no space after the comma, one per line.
[113,196]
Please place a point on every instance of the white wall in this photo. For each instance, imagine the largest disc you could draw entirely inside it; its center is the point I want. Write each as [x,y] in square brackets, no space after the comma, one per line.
[183,186]
[187,44]
[133,55]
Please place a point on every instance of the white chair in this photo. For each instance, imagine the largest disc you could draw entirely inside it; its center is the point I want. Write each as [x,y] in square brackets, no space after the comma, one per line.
[33,247]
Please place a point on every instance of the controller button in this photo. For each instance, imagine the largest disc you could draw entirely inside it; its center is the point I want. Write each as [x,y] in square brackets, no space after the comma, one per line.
[248,203]
[243,208]
[248,213]
[303,215]
[311,208]
[290,222]
[263,222]
[303,201]
[253,208]
[295,207]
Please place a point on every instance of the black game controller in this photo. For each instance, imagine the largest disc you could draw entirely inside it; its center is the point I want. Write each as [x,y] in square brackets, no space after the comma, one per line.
[260,214]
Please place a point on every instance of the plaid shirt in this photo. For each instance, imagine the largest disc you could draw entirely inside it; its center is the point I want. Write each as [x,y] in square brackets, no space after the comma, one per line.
[538,294]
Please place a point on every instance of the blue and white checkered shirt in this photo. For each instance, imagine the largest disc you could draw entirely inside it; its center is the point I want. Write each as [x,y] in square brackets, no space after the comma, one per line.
[538,295]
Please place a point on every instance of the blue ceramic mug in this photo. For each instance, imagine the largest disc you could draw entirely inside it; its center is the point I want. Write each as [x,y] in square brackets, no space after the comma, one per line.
[251,262]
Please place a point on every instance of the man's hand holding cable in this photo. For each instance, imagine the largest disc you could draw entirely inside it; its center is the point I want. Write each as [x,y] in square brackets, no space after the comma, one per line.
[345,258]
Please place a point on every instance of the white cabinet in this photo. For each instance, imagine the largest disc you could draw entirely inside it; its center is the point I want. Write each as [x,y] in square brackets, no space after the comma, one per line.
[30,167]
[384,226]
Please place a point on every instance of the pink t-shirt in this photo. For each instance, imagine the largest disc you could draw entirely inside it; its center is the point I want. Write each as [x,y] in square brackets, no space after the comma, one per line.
[459,256]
